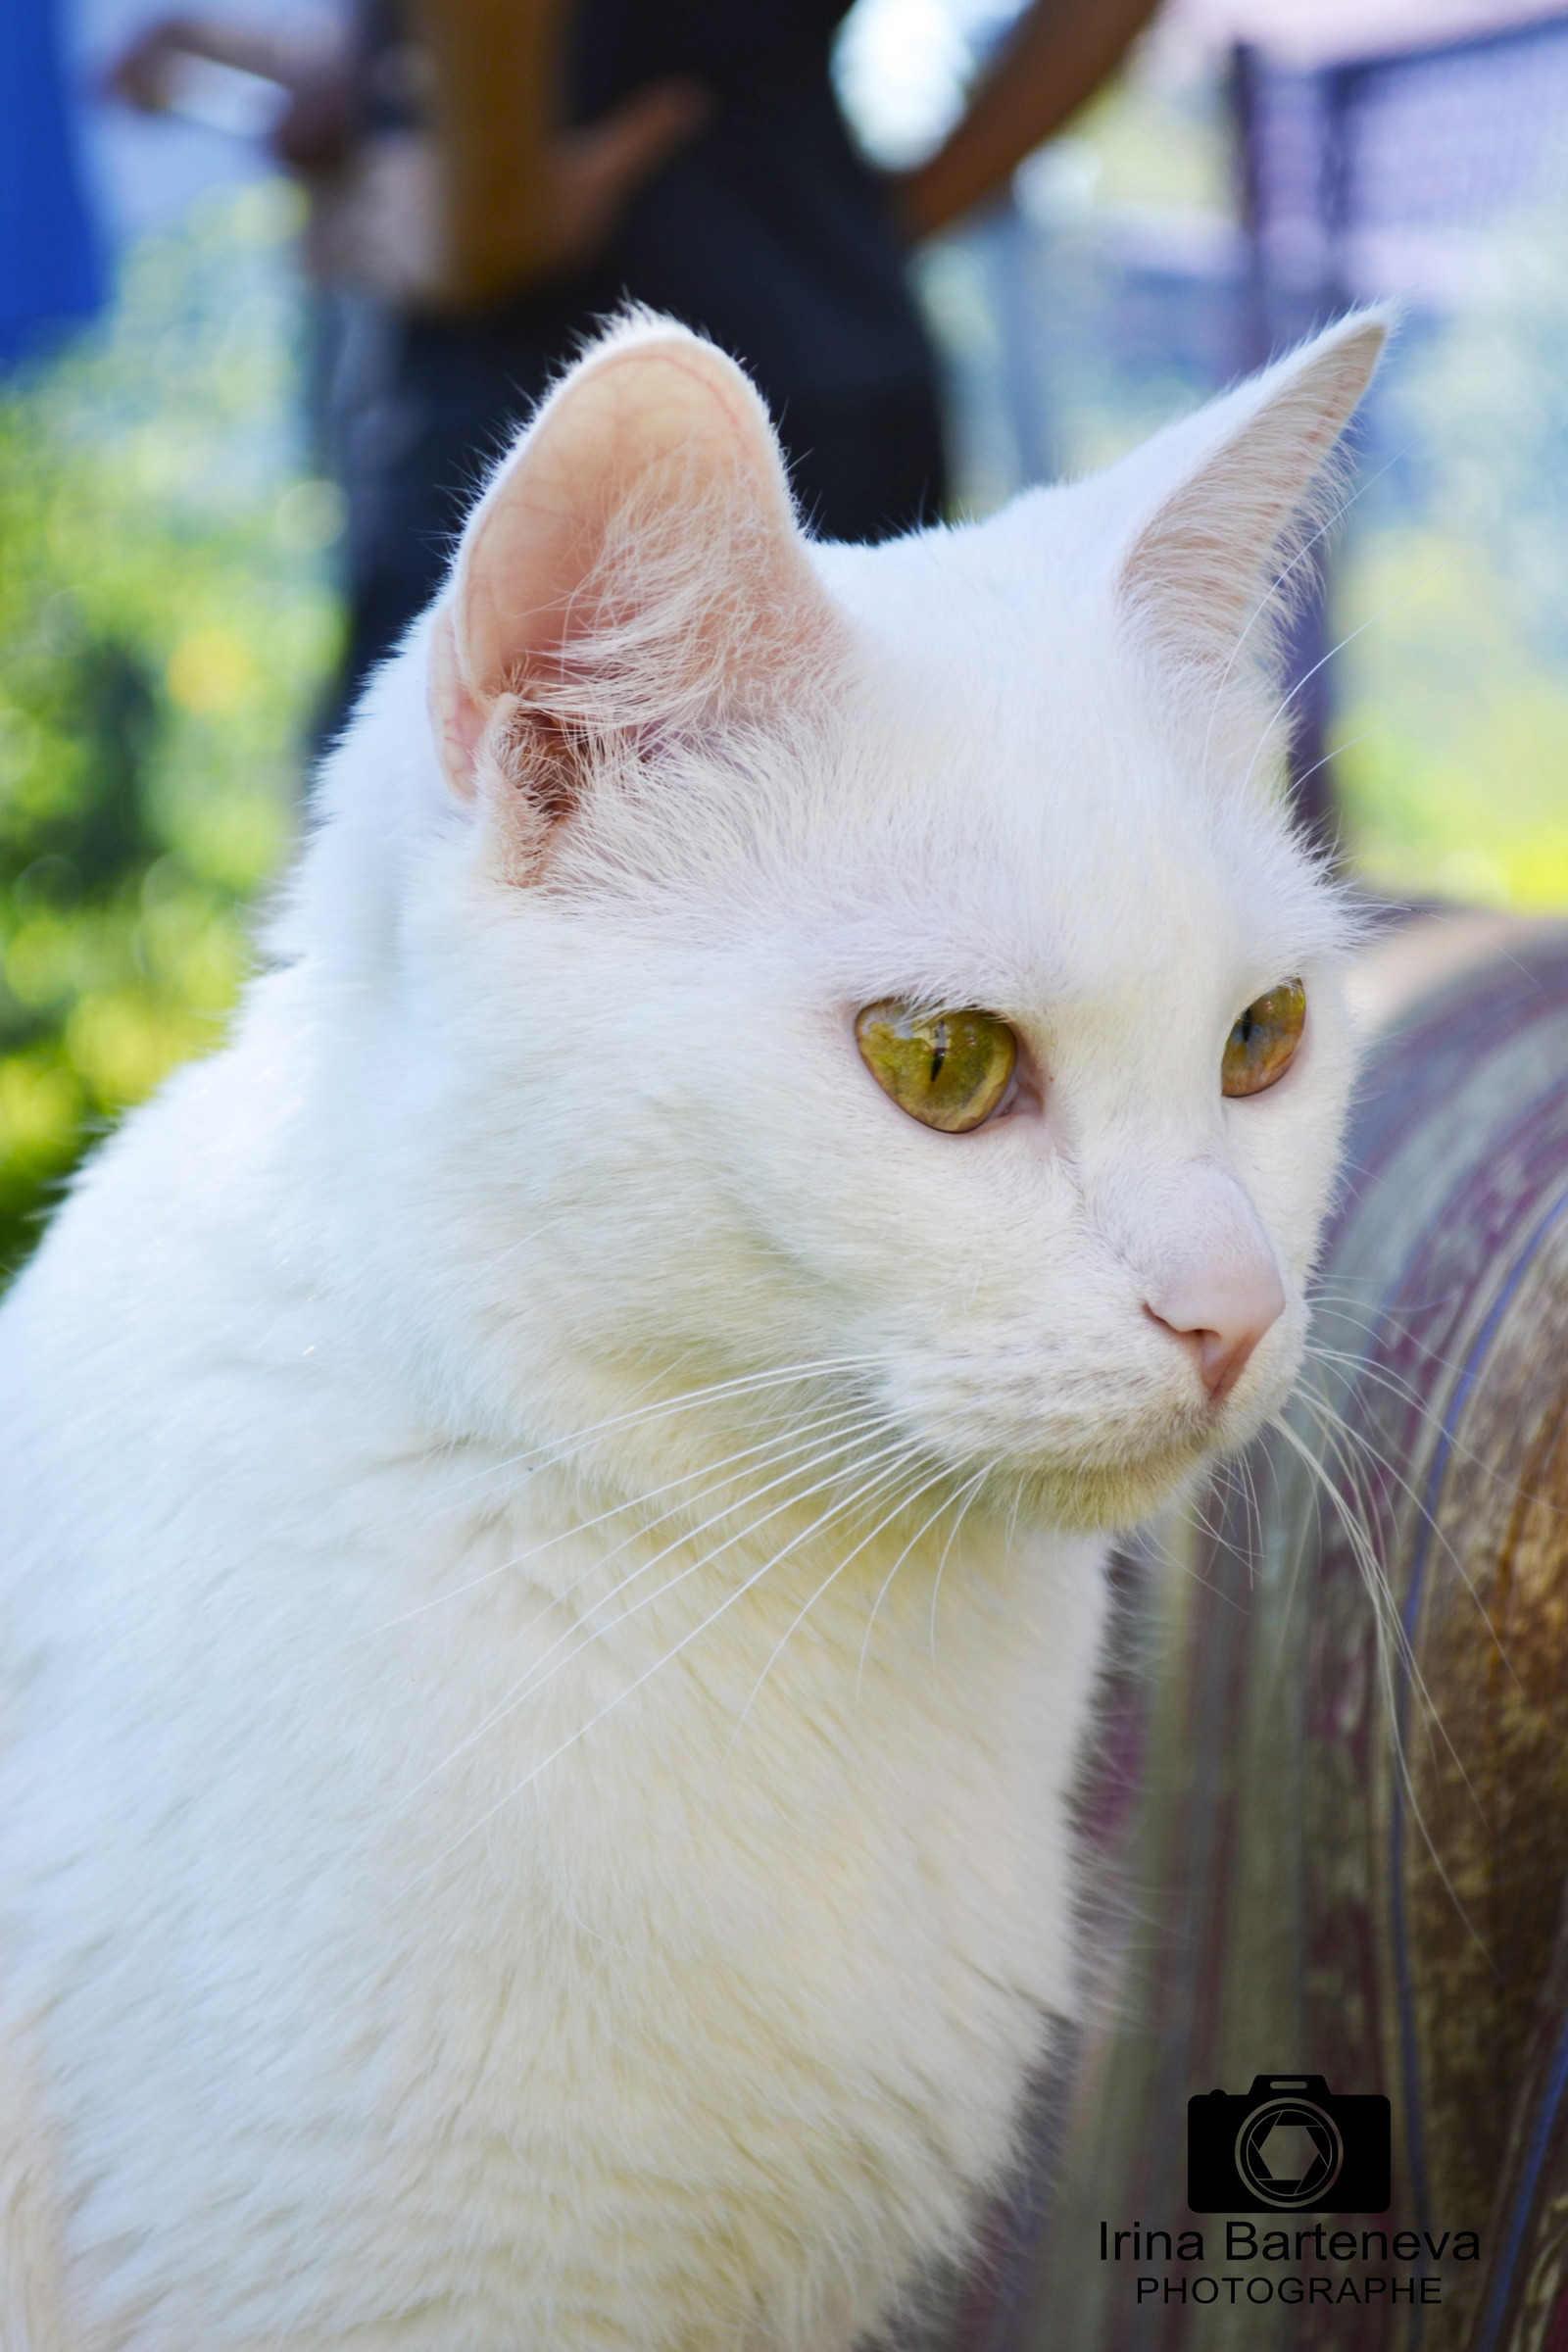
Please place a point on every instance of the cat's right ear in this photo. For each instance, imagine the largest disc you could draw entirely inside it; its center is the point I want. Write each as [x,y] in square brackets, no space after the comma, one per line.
[635,569]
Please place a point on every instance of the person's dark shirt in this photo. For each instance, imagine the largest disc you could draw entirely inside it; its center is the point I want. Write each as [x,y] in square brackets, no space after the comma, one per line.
[766,232]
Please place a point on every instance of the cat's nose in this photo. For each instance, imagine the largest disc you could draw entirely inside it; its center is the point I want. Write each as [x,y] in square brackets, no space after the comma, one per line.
[1222,1325]
[1219,1290]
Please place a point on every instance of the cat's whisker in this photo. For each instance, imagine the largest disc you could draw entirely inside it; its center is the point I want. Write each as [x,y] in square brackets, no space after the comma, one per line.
[924,1529]
[1347,1438]
[666,1658]
[1433,1727]
[1372,1313]
[1375,1319]
[905,1500]
[1411,1398]
[547,1451]
[1431,1720]
[776,1446]
[1349,638]
[953,1536]
[1236,1477]
[1375,1326]
[583,1632]
[1305,774]
[1194,1516]
[1391,1644]
[802,1441]
[1228,1497]
[588,1632]
[1267,603]
[1169,1557]
[1360,1367]
[1187,1569]
[841,1434]
[1358,1525]
[781,1443]
[1015,1511]
[1360,1535]
[1255,1500]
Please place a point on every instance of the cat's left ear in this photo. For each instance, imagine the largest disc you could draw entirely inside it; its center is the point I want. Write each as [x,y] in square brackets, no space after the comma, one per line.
[1221,497]
[635,569]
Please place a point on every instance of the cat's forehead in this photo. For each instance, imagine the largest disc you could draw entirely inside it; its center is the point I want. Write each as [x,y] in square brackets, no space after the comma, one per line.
[1023,790]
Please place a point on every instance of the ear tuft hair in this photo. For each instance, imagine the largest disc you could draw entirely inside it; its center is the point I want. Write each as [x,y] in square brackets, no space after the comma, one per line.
[532,768]
[1243,489]
[635,567]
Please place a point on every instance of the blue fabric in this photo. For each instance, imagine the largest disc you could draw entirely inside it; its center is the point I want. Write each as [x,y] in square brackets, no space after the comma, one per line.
[50,272]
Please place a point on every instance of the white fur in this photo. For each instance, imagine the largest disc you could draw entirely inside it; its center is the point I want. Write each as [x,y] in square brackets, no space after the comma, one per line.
[412,1935]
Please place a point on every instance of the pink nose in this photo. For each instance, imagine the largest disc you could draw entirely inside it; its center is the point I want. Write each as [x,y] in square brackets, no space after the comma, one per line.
[1221,1314]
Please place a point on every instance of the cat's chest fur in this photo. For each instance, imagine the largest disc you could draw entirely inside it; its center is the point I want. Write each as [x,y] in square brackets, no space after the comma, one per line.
[458,1943]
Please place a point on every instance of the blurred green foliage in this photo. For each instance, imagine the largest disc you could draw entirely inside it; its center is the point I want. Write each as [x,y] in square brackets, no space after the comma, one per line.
[1454,683]
[1452,775]
[167,625]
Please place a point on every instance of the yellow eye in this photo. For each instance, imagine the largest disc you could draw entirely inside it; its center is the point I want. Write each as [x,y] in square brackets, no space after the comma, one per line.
[1262,1044]
[946,1069]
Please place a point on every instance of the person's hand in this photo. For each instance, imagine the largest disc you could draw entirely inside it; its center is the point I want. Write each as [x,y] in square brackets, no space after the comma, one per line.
[395,214]
[1057,53]
[143,73]
[591,174]
[312,67]
[387,221]
[318,127]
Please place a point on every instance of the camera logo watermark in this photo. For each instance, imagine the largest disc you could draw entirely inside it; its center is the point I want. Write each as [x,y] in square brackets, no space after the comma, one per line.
[1290,2152]
[1289,2144]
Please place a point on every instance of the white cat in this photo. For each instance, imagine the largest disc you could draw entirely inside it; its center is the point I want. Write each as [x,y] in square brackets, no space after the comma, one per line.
[555,1493]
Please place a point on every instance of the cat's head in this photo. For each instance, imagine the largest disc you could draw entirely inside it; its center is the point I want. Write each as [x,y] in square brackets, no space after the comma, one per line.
[843,956]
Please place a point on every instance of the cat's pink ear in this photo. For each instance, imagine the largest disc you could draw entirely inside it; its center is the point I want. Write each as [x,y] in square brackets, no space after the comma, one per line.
[636,565]
[1229,497]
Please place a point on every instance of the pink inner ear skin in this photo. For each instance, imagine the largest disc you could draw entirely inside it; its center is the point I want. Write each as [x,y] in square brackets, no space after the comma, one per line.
[455,715]
[647,512]
[1195,568]
[651,424]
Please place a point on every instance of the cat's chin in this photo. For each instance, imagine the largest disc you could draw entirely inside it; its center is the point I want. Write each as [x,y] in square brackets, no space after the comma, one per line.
[1096,1499]
[1098,1451]
[1112,1497]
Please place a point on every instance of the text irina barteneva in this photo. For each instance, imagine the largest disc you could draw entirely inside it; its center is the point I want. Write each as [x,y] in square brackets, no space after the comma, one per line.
[1246,2243]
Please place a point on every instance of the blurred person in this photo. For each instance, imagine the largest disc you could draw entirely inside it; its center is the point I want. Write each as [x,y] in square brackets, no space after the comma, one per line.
[497,176]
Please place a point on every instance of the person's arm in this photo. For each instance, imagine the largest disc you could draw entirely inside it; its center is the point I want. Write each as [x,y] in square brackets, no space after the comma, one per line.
[1056,56]
[314,65]
[139,75]
[492,87]
[496,196]
[522,200]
